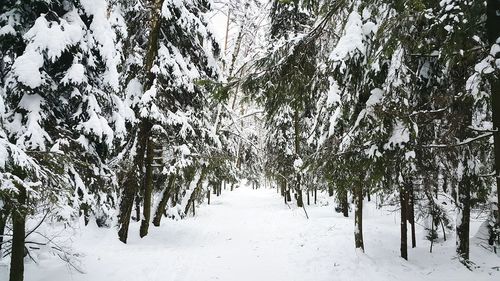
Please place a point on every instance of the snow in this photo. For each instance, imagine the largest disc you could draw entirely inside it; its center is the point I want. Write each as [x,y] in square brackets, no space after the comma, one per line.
[297,164]
[31,135]
[7,29]
[53,37]
[27,69]
[333,121]
[375,98]
[4,154]
[352,40]
[251,235]
[333,92]
[75,74]
[104,37]
[96,124]
[400,136]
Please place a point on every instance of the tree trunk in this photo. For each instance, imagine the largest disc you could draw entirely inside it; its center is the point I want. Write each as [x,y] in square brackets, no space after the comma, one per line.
[463,227]
[358,217]
[208,196]
[432,230]
[152,52]
[284,193]
[344,202]
[288,195]
[411,215]
[282,187]
[236,51]
[300,202]
[226,37]
[138,207]
[298,190]
[330,190]
[148,189]
[84,208]
[126,205]
[315,195]
[163,201]
[493,31]
[18,237]
[308,198]
[143,134]
[403,202]
[193,194]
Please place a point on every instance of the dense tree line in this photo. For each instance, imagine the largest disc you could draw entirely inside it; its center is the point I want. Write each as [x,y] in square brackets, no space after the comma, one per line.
[393,99]
[109,109]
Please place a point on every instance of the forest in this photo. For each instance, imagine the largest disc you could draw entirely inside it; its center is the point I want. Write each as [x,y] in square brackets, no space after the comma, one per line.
[162,130]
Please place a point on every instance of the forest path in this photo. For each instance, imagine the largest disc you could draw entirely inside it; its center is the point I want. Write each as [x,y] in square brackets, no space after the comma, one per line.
[250,235]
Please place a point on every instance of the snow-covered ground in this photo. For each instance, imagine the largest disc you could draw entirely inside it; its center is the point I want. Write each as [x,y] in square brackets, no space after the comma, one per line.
[251,235]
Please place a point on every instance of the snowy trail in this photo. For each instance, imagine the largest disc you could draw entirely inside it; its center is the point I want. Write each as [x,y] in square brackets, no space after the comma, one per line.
[251,235]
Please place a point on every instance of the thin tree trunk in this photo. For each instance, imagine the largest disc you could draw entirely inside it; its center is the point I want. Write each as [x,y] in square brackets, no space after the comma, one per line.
[208,196]
[432,230]
[86,215]
[163,201]
[298,190]
[282,187]
[444,230]
[236,51]
[148,189]
[315,195]
[197,189]
[138,207]
[300,202]
[411,215]
[126,204]
[344,203]
[152,52]
[132,181]
[403,202]
[330,190]
[18,237]
[308,198]
[463,224]
[288,192]
[358,217]
[227,35]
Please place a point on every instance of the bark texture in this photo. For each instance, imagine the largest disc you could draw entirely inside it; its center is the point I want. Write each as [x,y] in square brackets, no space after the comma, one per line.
[358,217]
[163,201]
[463,223]
[403,201]
[18,237]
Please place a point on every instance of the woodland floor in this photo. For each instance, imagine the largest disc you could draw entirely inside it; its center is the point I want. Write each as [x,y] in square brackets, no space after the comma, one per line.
[251,235]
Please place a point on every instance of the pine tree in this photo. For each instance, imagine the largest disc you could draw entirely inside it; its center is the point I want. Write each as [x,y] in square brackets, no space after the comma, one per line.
[59,84]
[172,50]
